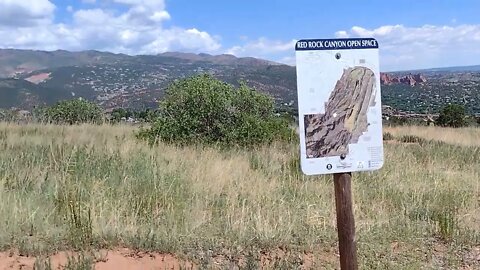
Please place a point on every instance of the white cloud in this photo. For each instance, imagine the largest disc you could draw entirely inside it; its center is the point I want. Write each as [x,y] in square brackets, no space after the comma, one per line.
[136,30]
[25,13]
[92,17]
[427,46]
[262,46]
[275,50]
[288,60]
[160,16]
[139,28]
[401,47]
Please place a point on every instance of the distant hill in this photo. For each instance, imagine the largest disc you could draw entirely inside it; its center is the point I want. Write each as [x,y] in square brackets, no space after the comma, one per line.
[23,61]
[115,80]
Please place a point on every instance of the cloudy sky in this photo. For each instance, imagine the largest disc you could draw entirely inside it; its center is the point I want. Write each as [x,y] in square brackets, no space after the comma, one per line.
[412,34]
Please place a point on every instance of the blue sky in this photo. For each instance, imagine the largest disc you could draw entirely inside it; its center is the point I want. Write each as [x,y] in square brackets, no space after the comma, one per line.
[411,34]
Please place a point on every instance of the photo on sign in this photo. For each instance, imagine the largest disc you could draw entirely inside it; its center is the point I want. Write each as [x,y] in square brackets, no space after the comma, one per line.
[345,118]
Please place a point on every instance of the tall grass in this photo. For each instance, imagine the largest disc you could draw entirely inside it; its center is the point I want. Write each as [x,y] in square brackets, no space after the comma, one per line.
[459,136]
[82,187]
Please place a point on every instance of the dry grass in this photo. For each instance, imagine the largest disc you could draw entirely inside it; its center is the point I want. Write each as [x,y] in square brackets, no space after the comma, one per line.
[78,187]
[457,136]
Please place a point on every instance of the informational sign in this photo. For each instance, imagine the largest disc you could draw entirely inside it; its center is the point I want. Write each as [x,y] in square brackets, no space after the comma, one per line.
[339,105]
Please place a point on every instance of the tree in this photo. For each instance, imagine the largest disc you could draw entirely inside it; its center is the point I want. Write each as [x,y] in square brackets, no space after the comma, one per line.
[452,115]
[75,111]
[201,109]
[119,113]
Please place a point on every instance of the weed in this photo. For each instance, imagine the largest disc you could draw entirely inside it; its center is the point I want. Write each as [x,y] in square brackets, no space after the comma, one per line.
[42,263]
[412,139]
[387,136]
[79,262]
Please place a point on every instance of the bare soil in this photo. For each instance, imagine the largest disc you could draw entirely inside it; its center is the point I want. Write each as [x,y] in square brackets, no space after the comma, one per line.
[120,259]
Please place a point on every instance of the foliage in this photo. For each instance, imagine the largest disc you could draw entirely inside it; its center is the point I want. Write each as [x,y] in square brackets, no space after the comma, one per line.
[75,111]
[202,109]
[452,115]
[7,115]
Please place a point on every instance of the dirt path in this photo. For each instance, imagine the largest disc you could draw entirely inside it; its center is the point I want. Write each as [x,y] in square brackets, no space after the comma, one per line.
[120,259]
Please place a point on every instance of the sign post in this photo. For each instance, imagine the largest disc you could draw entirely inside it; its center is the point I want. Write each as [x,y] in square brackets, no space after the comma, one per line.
[345,221]
[340,120]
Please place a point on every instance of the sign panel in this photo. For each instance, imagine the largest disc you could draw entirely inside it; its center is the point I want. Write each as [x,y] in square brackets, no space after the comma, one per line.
[339,105]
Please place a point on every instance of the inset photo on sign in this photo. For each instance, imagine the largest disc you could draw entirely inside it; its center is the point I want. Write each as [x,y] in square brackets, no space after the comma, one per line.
[345,118]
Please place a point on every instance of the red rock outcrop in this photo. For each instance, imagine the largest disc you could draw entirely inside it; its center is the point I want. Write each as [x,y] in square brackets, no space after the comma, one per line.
[410,79]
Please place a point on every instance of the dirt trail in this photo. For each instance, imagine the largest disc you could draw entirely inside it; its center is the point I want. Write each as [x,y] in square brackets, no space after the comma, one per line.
[120,259]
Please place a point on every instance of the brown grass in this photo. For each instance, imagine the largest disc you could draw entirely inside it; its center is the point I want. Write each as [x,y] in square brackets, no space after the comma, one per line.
[458,136]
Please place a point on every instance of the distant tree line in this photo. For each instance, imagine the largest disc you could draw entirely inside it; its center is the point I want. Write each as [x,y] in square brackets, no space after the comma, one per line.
[451,115]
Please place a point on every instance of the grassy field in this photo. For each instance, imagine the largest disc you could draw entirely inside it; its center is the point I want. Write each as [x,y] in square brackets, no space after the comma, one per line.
[97,187]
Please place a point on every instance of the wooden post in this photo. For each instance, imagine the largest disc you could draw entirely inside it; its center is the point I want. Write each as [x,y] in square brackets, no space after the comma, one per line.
[345,221]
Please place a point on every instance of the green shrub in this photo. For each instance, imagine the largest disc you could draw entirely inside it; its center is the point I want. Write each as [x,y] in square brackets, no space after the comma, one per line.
[201,109]
[75,111]
[452,115]
[119,114]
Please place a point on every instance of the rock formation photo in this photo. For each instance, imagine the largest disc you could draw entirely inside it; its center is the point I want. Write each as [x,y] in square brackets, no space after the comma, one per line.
[345,117]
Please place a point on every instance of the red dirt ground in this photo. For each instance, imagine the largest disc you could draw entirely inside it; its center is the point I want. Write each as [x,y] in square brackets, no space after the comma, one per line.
[121,259]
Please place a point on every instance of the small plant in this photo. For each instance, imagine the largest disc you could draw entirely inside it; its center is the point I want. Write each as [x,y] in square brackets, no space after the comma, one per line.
[446,222]
[80,223]
[412,139]
[77,215]
[42,263]
[387,136]
[80,262]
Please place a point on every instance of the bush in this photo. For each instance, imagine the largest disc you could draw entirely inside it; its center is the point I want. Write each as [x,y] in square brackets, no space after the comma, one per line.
[75,111]
[119,114]
[412,139]
[452,115]
[201,109]
[387,136]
